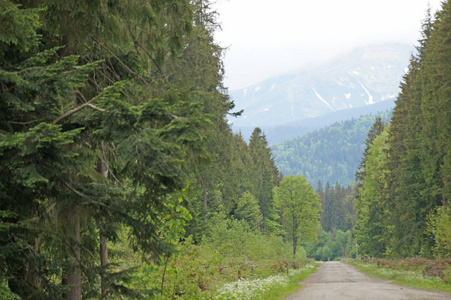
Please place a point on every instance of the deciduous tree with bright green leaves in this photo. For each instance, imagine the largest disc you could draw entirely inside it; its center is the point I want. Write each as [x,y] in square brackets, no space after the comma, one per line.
[299,210]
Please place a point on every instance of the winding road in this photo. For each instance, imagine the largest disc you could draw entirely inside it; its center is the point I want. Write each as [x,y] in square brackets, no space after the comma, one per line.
[338,281]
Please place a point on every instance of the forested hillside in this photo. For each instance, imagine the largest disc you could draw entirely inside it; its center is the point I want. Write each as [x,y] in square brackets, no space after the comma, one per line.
[404,180]
[119,175]
[330,154]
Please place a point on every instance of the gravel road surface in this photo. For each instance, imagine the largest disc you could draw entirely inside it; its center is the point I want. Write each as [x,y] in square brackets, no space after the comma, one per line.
[338,281]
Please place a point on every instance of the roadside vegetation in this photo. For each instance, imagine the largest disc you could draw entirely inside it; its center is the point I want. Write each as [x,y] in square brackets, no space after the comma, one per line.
[236,262]
[415,272]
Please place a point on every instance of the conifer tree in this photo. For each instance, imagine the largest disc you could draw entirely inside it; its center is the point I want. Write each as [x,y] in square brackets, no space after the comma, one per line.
[263,172]
[415,174]
[93,136]
[369,227]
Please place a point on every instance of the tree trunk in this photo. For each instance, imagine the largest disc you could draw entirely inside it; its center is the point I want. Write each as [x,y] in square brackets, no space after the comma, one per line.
[30,274]
[295,242]
[102,168]
[72,213]
[73,279]
[103,264]
[205,198]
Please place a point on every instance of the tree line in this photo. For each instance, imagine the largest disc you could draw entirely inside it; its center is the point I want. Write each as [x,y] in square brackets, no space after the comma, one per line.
[113,133]
[402,206]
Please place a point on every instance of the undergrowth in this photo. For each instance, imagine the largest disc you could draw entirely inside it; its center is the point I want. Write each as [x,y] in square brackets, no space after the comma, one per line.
[234,262]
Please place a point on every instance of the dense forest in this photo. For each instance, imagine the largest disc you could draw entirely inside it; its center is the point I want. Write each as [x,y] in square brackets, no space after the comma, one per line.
[119,175]
[335,240]
[404,183]
[329,154]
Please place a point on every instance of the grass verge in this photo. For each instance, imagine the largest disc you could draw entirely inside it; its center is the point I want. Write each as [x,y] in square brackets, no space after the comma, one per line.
[280,292]
[412,277]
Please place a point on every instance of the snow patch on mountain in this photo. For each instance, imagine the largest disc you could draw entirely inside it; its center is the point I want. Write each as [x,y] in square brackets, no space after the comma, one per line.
[370,97]
[324,101]
[387,97]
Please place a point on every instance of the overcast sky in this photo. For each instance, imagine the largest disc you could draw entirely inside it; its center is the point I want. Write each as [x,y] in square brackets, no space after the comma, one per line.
[267,37]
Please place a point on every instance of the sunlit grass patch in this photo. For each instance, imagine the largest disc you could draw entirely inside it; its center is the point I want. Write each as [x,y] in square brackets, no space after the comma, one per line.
[409,276]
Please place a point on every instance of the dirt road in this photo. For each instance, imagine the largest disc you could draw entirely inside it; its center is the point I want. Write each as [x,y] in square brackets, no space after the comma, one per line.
[338,281]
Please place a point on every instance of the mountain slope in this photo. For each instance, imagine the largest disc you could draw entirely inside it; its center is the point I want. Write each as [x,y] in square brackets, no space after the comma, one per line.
[366,76]
[329,154]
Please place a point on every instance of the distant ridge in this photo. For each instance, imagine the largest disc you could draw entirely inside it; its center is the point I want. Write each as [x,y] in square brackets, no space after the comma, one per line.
[279,133]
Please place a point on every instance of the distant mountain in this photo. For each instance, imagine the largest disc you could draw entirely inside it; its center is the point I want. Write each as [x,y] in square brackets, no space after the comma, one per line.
[329,154]
[363,78]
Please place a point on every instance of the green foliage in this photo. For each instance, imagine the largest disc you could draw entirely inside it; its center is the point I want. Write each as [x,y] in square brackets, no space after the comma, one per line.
[336,245]
[265,175]
[369,227]
[376,129]
[233,252]
[95,139]
[19,25]
[404,182]
[439,226]
[337,206]
[249,210]
[298,208]
[330,154]
[236,240]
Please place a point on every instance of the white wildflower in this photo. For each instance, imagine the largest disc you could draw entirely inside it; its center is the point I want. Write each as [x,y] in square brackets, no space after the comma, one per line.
[252,289]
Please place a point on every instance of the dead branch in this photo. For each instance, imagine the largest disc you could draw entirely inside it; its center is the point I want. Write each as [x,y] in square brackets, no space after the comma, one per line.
[120,61]
[77,109]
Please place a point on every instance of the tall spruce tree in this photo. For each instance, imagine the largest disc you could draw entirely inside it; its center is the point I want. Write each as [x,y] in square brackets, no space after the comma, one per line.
[93,137]
[264,172]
